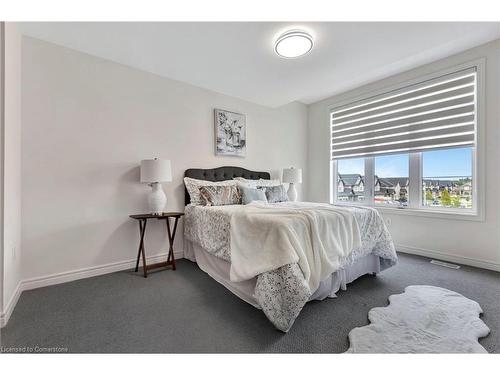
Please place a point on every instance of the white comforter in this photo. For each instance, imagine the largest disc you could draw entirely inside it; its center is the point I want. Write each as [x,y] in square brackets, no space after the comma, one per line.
[283,291]
[316,237]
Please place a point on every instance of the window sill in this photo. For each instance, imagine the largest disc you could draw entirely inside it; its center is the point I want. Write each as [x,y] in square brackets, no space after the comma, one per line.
[431,213]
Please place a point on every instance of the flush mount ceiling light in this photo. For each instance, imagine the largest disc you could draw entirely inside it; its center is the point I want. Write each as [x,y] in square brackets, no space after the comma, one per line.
[293,43]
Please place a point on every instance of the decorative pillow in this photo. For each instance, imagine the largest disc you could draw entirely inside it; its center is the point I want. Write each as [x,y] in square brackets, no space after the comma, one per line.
[243,182]
[275,194]
[256,183]
[263,182]
[193,187]
[244,185]
[248,195]
[220,195]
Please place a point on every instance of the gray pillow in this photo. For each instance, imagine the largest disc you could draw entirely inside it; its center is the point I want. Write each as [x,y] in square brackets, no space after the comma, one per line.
[248,195]
[275,194]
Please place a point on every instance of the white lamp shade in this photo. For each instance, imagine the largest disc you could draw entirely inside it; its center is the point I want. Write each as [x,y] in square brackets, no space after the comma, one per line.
[292,175]
[156,170]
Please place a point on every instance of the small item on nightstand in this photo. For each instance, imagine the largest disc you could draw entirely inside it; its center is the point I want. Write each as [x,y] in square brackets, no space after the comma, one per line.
[143,220]
[292,176]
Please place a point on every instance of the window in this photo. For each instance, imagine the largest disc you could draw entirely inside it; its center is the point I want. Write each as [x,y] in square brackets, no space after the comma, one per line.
[447,178]
[392,179]
[351,180]
[414,146]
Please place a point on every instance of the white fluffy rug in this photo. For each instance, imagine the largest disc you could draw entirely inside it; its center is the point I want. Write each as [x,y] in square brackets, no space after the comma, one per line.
[424,319]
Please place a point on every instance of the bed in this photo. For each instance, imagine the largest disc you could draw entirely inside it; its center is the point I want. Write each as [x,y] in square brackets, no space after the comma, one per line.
[211,235]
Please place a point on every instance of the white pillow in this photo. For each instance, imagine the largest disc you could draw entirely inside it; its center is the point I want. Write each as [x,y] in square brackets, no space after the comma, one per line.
[253,184]
[243,182]
[193,187]
[263,182]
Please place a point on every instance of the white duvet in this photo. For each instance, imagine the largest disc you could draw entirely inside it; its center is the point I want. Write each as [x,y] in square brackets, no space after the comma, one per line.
[282,292]
[317,237]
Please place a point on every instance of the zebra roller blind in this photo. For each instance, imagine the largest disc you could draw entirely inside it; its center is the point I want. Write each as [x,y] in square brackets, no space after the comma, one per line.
[438,113]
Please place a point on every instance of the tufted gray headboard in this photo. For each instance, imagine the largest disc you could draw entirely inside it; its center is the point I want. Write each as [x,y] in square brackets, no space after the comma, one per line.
[221,174]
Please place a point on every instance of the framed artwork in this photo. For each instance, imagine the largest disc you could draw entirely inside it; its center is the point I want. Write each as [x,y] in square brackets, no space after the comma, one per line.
[230,133]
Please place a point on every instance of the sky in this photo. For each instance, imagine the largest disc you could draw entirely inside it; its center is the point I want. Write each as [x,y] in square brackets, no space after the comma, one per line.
[441,163]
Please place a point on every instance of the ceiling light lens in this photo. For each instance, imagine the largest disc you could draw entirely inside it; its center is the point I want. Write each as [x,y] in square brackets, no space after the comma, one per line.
[293,44]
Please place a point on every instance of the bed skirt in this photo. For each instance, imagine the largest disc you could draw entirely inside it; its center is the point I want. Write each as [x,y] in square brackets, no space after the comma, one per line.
[219,269]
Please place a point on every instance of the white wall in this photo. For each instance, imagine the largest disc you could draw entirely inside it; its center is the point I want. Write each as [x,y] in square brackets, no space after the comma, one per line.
[88,122]
[12,166]
[458,240]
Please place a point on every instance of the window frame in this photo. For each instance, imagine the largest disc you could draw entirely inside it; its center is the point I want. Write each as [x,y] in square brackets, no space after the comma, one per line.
[415,205]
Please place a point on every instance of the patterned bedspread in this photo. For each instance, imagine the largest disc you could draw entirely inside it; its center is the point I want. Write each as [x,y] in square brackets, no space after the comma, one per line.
[283,292]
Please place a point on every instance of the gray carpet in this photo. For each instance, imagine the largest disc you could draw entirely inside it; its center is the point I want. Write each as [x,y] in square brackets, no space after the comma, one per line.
[186,311]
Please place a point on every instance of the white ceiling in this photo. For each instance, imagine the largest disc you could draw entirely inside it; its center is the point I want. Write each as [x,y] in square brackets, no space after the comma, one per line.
[237,59]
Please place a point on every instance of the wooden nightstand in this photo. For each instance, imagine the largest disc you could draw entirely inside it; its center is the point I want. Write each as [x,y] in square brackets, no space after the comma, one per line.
[143,220]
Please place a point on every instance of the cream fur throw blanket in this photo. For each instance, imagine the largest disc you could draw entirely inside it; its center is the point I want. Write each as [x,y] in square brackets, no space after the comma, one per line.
[424,319]
[316,236]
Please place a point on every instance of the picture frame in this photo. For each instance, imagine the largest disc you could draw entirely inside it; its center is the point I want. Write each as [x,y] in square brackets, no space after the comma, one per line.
[230,133]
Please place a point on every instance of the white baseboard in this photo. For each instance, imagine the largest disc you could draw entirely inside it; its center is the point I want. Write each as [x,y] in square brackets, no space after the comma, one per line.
[5,315]
[64,277]
[83,273]
[448,257]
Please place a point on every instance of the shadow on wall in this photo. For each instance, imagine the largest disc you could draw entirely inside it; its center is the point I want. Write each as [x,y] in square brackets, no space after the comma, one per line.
[132,175]
[128,184]
[179,191]
[155,240]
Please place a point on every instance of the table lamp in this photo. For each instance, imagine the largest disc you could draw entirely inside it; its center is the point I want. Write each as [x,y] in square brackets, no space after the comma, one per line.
[292,176]
[154,172]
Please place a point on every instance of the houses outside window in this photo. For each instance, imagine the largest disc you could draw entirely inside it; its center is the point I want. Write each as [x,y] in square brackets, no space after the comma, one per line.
[446,181]
[392,180]
[411,147]
[447,178]
[350,180]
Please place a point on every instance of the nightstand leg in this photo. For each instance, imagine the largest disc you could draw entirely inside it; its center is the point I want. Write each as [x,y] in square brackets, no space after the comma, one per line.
[171,238]
[144,267]
[142,228]
[141,236]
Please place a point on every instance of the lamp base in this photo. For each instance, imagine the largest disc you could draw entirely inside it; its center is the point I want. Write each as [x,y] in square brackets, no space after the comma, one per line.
[292,192]
[157,199]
